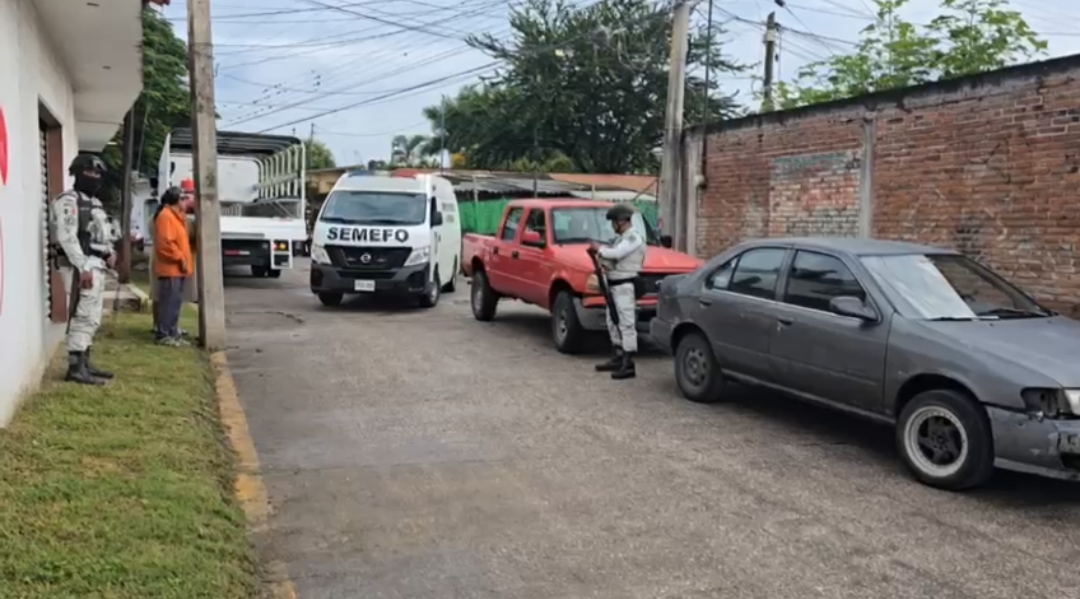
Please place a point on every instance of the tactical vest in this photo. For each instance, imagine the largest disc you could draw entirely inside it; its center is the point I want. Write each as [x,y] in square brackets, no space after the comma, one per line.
[85,209]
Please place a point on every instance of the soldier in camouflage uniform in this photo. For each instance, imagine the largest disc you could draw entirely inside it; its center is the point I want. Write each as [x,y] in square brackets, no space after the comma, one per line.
[84,239]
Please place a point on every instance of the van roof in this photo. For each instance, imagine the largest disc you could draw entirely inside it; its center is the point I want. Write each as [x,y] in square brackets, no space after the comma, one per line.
[355,182]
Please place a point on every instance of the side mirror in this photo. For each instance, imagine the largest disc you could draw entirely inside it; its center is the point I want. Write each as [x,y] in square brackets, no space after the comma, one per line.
[667,241]
[532,238]
[436,219]
[854,307]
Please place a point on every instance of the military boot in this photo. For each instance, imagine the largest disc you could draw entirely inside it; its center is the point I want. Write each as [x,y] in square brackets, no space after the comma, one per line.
[78,372]
[95,371]
[613,364]
[626,368]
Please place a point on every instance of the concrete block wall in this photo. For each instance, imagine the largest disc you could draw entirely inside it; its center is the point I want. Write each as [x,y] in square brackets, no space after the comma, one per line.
[989,165]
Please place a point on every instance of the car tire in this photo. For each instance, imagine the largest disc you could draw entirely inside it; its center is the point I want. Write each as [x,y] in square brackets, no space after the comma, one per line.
[697,372]
[482,297]
[957,425]
[566,329]
[330,299]
[451,285]
[430,298]
[258,271]
[274,273]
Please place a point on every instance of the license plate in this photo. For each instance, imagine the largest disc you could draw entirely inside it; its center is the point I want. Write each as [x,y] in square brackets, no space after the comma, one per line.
[364,285]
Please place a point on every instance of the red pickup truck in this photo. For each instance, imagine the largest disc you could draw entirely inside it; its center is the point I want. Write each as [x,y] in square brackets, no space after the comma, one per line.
[538,256]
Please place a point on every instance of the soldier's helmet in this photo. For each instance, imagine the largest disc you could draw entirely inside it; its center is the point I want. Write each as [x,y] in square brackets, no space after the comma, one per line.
[86,162]
[620,212]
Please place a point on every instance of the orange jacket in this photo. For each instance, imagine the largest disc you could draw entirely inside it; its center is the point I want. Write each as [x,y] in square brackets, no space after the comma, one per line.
[171,245]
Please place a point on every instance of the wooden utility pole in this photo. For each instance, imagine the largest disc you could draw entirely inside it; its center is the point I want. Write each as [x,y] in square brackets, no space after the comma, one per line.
[123,269]
[770,61]
[207,216]
[673,118]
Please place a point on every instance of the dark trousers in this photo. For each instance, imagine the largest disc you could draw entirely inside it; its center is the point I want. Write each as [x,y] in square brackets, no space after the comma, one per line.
[170,299]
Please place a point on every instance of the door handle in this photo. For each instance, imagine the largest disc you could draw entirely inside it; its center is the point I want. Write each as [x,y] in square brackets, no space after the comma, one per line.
[704,301]
[495,250]
[514,254]
[785,320]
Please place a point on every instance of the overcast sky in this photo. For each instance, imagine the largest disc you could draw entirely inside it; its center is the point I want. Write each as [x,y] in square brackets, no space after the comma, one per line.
[285,65]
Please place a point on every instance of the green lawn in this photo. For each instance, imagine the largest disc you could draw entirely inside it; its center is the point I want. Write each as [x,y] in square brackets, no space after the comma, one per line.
[123,491]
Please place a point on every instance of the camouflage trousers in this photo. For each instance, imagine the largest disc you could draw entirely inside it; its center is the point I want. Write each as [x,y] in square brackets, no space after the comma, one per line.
[86,320]
[625,334]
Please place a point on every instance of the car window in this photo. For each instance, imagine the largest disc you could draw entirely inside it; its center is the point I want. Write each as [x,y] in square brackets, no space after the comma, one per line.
[757,272]
[513,220]
[721,277]
[536,221]
[815,279]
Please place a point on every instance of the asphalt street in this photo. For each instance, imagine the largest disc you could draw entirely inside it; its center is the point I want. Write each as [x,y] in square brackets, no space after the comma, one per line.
[420,454]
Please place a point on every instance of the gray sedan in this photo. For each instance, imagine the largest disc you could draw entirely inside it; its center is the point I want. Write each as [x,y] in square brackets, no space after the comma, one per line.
[972,371]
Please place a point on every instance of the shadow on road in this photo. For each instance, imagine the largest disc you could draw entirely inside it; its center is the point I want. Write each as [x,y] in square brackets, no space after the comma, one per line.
[1007,490]
[537,328]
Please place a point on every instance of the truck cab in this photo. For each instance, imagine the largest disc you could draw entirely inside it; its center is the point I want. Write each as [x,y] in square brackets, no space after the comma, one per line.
[379,234]
[538,256]
[261,193]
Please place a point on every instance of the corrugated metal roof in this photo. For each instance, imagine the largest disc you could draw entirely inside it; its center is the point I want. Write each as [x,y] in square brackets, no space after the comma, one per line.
[237,142]
[614,196]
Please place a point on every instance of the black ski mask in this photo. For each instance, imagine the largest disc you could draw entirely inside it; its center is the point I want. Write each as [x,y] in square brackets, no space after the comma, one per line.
[88,182]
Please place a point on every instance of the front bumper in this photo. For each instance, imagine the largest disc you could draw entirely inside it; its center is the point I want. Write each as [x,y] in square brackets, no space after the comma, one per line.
[592,314]
[409,280]
[1045,447]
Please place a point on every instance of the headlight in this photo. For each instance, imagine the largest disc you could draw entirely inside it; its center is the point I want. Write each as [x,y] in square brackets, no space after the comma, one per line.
[1053,403]
[319,255]
[592,285]
[419,256]
[1072,397]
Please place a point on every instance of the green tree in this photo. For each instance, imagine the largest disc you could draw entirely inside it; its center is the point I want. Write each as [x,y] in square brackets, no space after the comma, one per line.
[970,36]
[163,104]
[319,155]
[584,87]
[410,150]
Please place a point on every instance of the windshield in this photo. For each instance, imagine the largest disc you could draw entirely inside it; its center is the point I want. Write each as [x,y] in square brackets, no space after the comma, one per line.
[951,287]
[582,225]
[375,208]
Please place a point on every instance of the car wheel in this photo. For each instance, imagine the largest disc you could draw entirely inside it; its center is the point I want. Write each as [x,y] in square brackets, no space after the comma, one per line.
[451,285]
[483,298]
[258,271]
[330,299]
[274,273]
[697,372]
[566,329]
[945,440]
[431,298]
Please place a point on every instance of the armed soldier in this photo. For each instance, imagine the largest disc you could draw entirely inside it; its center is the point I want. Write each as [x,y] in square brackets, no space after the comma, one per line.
[82,232]
[622,262]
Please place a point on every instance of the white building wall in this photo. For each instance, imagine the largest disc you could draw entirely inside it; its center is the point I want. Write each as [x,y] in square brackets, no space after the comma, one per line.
[30,72]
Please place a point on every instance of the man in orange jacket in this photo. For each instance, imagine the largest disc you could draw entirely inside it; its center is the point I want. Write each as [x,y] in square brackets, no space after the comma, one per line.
[173,264]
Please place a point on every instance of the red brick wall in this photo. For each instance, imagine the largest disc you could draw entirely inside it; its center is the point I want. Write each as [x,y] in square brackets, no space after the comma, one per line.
[988,165]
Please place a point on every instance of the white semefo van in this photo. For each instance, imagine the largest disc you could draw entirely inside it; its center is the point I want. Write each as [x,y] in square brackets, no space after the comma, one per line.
[380,234]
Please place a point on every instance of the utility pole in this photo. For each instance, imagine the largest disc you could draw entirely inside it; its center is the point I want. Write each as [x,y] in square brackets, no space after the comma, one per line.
[673,118]
[207,216]
[443,152]
[770,59]
[124,267]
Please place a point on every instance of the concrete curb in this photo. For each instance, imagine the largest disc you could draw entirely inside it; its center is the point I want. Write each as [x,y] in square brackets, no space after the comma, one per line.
[249,487]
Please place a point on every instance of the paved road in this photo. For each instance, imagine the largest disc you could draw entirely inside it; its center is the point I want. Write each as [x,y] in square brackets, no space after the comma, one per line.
[423,455]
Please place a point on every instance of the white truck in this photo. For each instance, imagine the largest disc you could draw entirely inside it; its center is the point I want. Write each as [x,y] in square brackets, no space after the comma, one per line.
[261,192]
